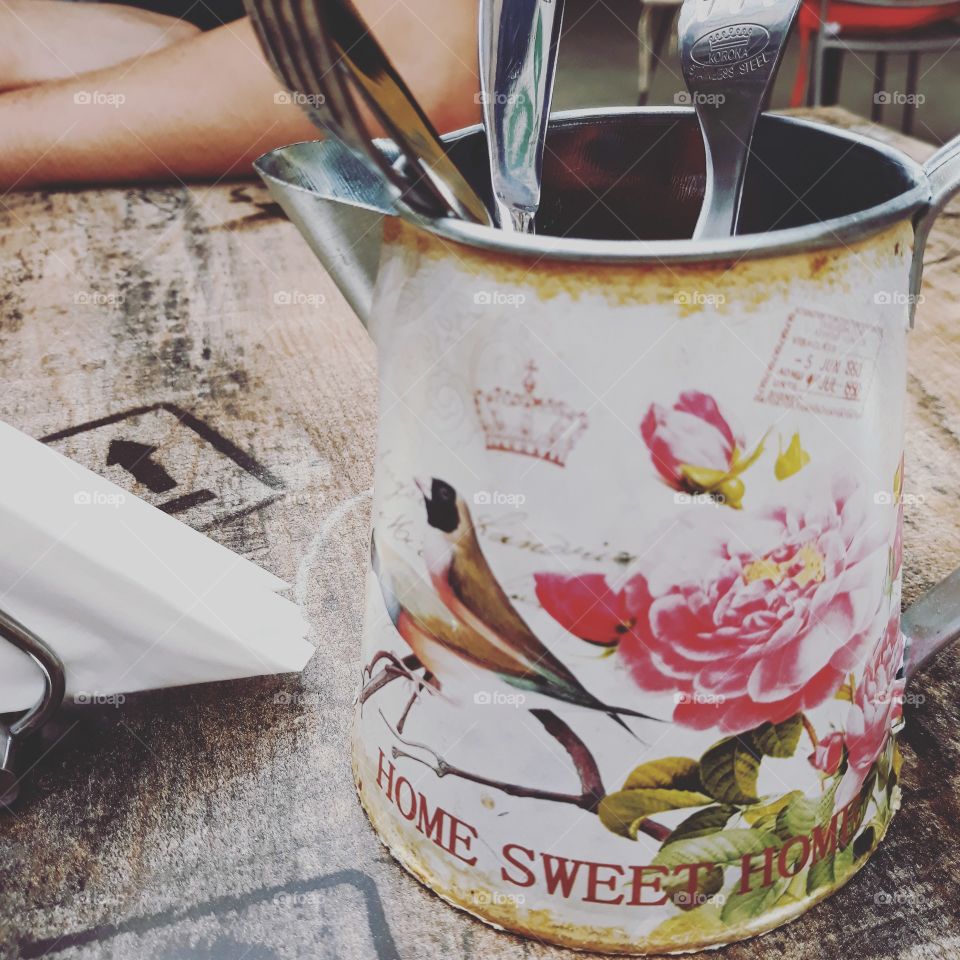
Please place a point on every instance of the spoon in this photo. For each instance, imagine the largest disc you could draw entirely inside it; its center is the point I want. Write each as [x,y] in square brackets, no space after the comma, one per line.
[518,56]
[729,52]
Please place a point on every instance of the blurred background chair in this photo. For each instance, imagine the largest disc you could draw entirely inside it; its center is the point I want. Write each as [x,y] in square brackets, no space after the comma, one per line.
[829,30]
[657,33]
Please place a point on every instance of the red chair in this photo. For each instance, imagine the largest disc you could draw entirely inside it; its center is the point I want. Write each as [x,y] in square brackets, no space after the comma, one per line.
[879,27]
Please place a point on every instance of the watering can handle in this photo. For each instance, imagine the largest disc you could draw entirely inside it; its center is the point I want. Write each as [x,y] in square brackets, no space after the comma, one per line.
[943,172]
[932,622]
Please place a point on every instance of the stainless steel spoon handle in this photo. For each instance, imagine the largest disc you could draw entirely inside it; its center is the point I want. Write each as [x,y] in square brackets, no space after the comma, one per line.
[727,135]
[730,51]
[518,55]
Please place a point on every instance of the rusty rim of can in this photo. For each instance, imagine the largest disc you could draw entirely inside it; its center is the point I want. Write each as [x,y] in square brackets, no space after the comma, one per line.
[834,232]
[911,202]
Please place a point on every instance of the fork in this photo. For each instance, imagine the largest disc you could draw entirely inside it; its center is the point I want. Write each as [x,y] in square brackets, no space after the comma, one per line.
[518,56]
[322,50]
[730,51]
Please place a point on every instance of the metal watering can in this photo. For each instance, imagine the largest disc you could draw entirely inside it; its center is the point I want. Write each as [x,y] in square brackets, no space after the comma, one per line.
[634,660]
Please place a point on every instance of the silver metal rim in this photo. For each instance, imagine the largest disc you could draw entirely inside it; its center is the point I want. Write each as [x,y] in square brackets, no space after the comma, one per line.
[836,232]
[50,666]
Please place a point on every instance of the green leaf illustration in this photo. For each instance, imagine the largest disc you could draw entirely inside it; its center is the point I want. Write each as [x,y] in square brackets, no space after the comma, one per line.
[796,892]
[843,864]
[821,874]
[741,907]
[830,870]
[709,882]
[677,773]
[798,817]
[802,813]
[779,739]
[703,823]
[691,926]
[670,783]
[720,849]
[760,813]
[623,811]
[729,769]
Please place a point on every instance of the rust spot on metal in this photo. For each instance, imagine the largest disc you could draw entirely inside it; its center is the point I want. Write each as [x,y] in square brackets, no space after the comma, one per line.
[724,286]
[818,263]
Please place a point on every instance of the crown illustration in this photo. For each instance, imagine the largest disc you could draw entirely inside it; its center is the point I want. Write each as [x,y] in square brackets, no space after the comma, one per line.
[528,424]
[729,39]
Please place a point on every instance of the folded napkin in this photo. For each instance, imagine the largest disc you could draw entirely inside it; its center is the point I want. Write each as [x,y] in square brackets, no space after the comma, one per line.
[129,597]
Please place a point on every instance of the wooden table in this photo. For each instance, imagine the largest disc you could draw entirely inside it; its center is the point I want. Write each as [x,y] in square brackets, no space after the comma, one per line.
[221,821]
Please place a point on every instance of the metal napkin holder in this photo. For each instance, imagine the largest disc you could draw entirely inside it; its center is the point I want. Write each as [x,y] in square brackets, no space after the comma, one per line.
[12,733]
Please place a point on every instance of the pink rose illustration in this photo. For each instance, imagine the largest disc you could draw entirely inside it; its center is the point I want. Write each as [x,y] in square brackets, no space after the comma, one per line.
[828,754]
[587,606]
[754,624]
[694,448]
[693,431]
[877,705]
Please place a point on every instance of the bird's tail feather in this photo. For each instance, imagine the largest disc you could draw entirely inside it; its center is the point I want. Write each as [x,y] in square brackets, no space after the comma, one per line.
[577,697]
[621,723]
[624,712]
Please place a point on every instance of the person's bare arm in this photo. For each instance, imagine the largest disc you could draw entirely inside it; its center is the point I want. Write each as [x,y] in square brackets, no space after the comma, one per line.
[43,40]
[207,107]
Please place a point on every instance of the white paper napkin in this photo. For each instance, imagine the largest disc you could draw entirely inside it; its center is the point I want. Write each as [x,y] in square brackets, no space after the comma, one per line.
[129,597]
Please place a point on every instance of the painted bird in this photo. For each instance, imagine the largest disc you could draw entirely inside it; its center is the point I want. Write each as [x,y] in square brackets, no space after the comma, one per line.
[467,617]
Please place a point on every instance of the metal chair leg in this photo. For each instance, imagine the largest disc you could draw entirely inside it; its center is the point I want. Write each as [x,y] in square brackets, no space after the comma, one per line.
[667,16]
[879,85]
[644,38]
[913,81]
[54,684]
[815,99]
[832,75]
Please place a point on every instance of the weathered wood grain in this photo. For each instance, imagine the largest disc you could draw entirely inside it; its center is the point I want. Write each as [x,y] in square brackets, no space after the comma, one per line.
[221,821]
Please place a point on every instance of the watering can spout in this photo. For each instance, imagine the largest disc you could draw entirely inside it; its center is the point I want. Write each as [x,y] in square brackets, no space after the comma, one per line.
[338,205]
